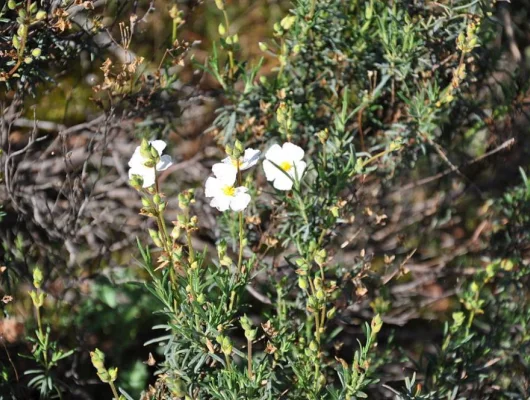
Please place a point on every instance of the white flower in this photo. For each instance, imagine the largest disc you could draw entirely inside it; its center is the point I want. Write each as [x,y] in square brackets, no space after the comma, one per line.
[143,166]
[248,160]
[283,165]
[221,188]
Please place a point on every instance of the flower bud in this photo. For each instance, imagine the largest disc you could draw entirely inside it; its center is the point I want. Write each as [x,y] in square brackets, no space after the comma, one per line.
[287,22]
[302,283]
[157,199]
[221,249]
[226,346]
[376,324]
[175,233]
[313,346]
[113,373]
[145,201]
[263,46]
[323,135]
[221,29]
[155,237]
[220,4]
[37,277]
[11,4]
[320,257]
[41,14]
[145,149]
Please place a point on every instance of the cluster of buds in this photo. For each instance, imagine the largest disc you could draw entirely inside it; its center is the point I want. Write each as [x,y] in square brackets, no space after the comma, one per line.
[224,260]
[323,136]
[150,154]
[176,15]
[152,207]
[284,25]
[37,296]
[184,221]
[98,361]
[235,152]
[229,40]
[468,41]
[226,344]
[284,116]
[246,324]
[465,43]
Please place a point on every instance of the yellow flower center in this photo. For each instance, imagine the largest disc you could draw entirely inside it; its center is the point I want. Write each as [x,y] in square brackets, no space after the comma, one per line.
[286,166]
[229,190]
[236,163]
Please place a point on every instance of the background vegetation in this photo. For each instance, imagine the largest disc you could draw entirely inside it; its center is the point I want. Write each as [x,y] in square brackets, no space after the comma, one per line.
[398,268]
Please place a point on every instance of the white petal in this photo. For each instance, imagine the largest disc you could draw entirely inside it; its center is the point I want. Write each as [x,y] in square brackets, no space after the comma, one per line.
[222,202]
[213,187]
[240,200]
[136,158]
[283,182]
[300,167]
[275,154]
[226,173]
[271,170]
[250,158]
[293,152]
[165,163]
[149,177]
[159,145]
[227,160]
[139,169]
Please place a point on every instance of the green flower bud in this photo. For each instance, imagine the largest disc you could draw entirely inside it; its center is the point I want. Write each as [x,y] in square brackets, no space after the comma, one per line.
[155,237]
[302,283]
[220,4]
[37,277]
[11,4]
[226,346]
[263,46]
[221,29]
[137,182]
[113,373]
[157,199]
[313,346]
[287,22]
[41,14]
[376,324]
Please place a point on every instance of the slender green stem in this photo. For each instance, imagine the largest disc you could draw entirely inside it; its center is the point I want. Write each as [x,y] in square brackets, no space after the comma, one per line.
[114,391]
[241,243]
[249,357]
[228,363]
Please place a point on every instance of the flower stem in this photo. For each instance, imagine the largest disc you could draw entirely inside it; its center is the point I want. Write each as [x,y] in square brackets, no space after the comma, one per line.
[114,391]
[241,243]
[249,357]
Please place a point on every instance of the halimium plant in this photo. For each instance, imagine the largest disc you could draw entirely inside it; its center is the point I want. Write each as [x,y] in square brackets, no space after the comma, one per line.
[212,347]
